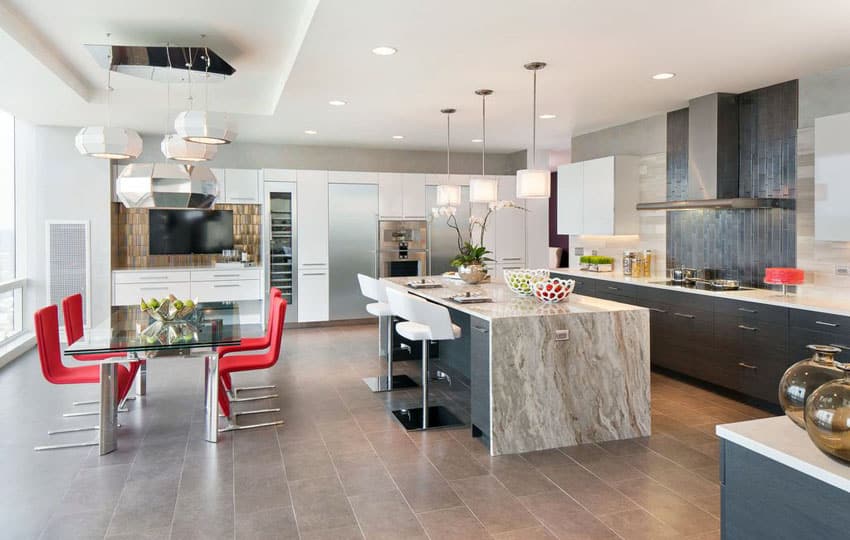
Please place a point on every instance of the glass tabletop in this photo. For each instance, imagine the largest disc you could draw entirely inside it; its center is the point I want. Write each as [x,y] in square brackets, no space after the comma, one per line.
[129,329]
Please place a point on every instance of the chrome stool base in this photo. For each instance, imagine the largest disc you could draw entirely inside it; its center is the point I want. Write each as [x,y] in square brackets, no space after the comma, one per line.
[380,384]
[438,417]
[61,446]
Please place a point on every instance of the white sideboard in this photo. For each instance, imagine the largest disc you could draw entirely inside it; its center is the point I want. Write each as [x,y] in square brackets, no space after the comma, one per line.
[202,284]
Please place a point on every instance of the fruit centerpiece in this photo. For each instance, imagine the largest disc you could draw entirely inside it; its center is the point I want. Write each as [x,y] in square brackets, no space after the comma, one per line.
[522,281]
[552,291]
[167,309]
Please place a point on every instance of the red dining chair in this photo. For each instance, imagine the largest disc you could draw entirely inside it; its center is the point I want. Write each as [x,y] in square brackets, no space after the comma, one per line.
[250,362]
[248,345]
[55,372]
[72,311]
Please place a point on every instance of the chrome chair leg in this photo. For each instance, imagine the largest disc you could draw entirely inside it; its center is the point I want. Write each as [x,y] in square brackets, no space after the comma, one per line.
[249,388]
[97,401]
[252,398]
[90,413]
[233,426]
[73,430]
[61,446]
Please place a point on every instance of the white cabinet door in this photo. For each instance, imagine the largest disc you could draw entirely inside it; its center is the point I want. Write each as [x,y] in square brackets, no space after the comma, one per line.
[391,195]
[313,295]
[510,227]
[312,218]
[413,196]
[598,196]
[832,168]
[241,186]
[571,198]
[279,175]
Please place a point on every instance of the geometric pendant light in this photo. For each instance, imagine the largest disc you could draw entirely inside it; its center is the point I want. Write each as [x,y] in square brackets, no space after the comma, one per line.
[448,194]
[533,183]
[203,126]
[108,142]
[483,189]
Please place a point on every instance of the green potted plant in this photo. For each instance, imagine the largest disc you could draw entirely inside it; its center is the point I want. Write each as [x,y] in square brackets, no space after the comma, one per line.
[597,263]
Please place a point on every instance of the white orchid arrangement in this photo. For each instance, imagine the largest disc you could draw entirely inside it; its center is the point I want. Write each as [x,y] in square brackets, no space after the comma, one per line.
[468,252]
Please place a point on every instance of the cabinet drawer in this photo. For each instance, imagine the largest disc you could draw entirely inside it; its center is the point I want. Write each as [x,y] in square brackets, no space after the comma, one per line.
[128,294]
[760,374]
[151,276]
[618,292]
[676,298]
[822,322]
[751,311]
[226,291]
[226,274]
[739,335]
[800,338]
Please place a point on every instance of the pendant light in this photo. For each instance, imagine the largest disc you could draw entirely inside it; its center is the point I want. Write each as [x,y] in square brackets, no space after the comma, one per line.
[483,190]
[108,142]
[448,194]
[173,146]
[533,183]
[203,126]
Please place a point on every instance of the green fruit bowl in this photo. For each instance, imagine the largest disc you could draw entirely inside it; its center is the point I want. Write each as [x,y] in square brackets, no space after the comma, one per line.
[522,281]
[168,309]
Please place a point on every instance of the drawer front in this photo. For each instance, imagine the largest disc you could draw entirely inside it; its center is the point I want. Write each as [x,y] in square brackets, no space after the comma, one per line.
[618,292]
[677,298]
[584,285]
[128,294]
[741,335]
[760,374]
[800,338]
[752,312]
[226,274]
[820,322]
[225,291]
[151,276]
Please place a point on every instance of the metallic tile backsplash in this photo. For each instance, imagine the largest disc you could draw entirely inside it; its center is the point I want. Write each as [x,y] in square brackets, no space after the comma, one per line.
[130,238]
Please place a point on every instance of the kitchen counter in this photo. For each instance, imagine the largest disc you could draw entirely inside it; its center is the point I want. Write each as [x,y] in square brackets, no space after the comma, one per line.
[184,268]
[834,306]
[547,376]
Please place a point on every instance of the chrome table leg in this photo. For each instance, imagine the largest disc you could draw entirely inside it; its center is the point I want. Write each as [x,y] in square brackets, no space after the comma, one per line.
[425,385]
[108,408]
[211,396]
[141,376]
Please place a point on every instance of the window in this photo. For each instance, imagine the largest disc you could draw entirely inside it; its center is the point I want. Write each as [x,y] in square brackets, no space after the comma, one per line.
[10,290]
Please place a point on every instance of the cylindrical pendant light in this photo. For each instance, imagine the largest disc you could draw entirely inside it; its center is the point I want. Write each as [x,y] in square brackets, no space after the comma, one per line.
[533,183]
[483,190]
[448,194]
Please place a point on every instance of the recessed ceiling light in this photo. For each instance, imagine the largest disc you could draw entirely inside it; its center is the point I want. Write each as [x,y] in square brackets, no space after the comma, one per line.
[663,76]
[477,140]
[337,102]
[384,50]
[547,116]
[398,137]
[310,131]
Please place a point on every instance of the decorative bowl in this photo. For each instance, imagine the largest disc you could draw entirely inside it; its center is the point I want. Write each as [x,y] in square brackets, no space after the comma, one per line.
[168,309]
[552,291]
[472,273]
[521,281]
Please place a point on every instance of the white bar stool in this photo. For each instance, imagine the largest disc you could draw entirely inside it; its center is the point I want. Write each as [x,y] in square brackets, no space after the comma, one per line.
[426,322]
[375,290]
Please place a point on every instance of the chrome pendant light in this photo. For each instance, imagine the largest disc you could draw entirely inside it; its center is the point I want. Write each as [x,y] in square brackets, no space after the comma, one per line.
[107,142]
[448,194]
[533,183]
[483,190]
[203,127]
[173,146]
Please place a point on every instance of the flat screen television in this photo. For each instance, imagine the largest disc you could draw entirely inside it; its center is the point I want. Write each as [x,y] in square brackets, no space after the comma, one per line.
[181,232]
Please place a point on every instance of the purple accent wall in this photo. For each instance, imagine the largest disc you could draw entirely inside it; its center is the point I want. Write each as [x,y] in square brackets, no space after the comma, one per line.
[555,239]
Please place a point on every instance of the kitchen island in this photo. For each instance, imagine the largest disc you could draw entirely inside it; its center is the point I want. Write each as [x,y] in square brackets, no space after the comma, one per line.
[550,375]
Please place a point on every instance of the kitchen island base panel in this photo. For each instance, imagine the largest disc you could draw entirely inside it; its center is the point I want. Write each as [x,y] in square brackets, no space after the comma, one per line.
[563,380]
[438,417]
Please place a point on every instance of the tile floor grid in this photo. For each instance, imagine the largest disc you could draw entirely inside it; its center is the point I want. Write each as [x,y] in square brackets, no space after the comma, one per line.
[336,429]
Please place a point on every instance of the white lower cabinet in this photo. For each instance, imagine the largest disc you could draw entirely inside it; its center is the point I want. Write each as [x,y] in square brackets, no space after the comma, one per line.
[313,295]
[226,291]
[128,294]
[203,285]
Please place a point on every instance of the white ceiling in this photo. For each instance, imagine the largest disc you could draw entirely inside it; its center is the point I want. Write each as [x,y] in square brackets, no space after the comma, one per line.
[601,55]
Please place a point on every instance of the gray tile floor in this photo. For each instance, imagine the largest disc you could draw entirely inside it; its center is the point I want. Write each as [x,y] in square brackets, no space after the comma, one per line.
[341,467]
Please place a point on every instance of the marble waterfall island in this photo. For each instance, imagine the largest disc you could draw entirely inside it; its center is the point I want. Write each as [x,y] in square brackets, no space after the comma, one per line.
[550,375]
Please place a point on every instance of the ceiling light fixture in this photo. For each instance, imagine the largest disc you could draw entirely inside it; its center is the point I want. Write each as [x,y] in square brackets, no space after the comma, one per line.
[448,194]
[398,137]
[337,102]
[533,183]
[483,190]
[107,142]
[547,116]
[663,76]
[477,140]
[173,146]
[310,131]
[203,126]
[384,50]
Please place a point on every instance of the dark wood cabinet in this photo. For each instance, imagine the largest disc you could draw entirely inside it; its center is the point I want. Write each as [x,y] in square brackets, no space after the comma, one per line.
[479,412]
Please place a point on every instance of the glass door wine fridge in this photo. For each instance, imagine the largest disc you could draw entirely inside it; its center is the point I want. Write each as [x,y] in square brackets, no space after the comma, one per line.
[280,242]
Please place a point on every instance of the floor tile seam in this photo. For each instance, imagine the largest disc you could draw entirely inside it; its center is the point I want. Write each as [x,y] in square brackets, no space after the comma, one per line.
[648,511]
[288,488]
[179,483]
[139,399]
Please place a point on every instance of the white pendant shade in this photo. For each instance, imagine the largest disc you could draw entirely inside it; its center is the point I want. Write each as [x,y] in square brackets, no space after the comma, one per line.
[448,195]
[533,184]
[175,147]
[483,190]
[108,142]
[204,127]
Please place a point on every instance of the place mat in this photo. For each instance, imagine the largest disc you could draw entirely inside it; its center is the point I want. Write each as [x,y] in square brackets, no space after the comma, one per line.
[472,299]
[424,284]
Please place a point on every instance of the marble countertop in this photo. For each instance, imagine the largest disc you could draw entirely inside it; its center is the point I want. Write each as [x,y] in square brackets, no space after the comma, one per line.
[505,303]
[835,306]
[782,441]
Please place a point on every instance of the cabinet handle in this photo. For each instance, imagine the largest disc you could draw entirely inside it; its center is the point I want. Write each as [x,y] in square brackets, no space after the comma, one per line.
[242,198]
[153,288]
[750,328]
[512,258]
[747,366]
[314,274]
[658,310]
[153,278]
[314,264]
[843,347]
[685,315]
[482,330]
[614,288]
[220,285]
[822,323]
[745,310]
[226,275]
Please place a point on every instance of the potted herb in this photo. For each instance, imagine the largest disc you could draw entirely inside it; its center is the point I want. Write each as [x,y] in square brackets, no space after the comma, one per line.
[597,263]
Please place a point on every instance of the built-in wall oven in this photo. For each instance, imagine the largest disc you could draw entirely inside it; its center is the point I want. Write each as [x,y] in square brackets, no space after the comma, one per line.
[402,248]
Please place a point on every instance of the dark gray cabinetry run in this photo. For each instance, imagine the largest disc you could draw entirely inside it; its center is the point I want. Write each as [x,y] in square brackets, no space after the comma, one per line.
[480,380]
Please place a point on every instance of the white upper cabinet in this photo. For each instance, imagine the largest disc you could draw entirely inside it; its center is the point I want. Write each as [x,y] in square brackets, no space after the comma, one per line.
[401,196]
[413,196]
[352,177]
[509,225]
[279,175]
[241,186]
[832,188]
[312,219]
[599,196]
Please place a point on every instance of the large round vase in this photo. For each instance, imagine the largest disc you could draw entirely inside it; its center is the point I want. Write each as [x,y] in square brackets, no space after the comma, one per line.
[472,273]
[827,415]
[804,377]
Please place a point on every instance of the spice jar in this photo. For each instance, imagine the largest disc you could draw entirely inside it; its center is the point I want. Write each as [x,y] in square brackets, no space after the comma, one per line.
[628,262]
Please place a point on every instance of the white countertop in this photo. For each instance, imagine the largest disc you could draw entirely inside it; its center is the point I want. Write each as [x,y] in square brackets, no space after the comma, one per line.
[185,268]
[505,303]
[782,441]
[835,306]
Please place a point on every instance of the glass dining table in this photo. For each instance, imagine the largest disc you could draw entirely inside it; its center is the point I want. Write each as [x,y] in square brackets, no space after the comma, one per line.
[131,335]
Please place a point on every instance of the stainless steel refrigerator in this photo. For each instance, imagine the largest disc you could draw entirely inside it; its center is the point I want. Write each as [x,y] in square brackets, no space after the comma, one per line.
[443,239]
[279,242]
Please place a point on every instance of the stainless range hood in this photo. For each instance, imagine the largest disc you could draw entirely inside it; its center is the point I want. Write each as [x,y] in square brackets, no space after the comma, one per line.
[166,185]
[712,148]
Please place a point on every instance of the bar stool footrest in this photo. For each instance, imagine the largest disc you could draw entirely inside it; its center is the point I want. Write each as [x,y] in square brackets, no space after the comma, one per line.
[438,417]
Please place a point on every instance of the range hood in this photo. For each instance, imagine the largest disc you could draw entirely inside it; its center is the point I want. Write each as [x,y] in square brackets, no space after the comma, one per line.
[712,148]
[166,185]
[161,63]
